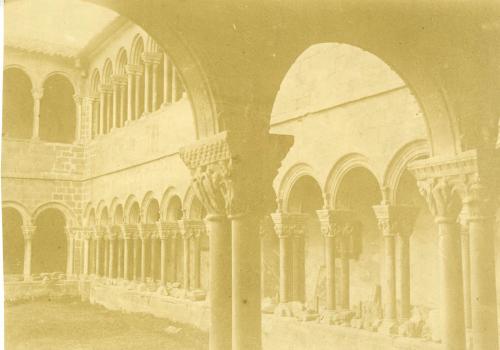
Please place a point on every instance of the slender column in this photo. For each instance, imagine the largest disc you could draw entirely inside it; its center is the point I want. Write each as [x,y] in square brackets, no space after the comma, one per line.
[445,205]
[115,106]
[28,232]
[298,264]
[196,261]
[344,271]
[464,234]
[137,89]
[69,255]
[185,270]
[134,257]
[102,106]
[143,259]
[147,87]
[403,272]
[152,269]
[123,105]
[167,92]
[174,84]
[109,110]
[172,238]
[111,258]
[129,232]
[130,91]
[106,257]
[37,97]
[154,101]
[91,103]
[86,251]
[328,229]
[120,258]
[78,122]
[479,201]
[163,236]
[387,224]
[98,249]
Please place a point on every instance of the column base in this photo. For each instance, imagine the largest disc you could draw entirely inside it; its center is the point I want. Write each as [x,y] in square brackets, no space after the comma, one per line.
[389,327]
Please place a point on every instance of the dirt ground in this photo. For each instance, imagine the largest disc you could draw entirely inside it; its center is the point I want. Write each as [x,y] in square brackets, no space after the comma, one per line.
[71,324]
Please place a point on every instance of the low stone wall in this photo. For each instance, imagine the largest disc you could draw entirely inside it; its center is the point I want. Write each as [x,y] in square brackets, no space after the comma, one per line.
[278,332]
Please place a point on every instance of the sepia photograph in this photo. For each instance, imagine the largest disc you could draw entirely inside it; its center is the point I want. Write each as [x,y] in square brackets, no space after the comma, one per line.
[250,175]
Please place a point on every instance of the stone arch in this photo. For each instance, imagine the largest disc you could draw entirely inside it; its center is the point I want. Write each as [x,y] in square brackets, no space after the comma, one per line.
[116,211]
[21,209]
[396,167]
[136,49]
[57,109]
[339,170]
[89,215]
[95,82]
[64,74]
[152,45]
[107,72]
[169,195]
[132,214]
[121,61]
[289,180]
[150,209]
[13,240]
[17,117]
[71,218]
[192,206]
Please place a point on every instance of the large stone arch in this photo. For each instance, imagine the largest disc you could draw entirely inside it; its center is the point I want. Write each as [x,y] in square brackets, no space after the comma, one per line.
[169,195]
[295,173]
[21,209]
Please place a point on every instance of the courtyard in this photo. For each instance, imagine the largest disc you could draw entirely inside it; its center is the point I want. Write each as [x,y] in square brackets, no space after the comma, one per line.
[71,324]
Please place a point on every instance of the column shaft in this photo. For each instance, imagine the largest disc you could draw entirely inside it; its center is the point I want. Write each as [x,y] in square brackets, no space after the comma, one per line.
[163,261]
[130,82]
[98,256]
[137,103]
[298,266]
[220,282]
[403,276]
[120,259]
[167,93]
[111,259]
[154,92]
[451,295]
[196,261]
[174,84]
[36,117]
[152,269]
[185,272]
[345,277]
[102,106]
[246,298]
[123,107]
[27,259]
[126,248]
[69,260]
[389,287]
[330,272]
[147,87]
[116,107]
[109,111]
[143,260]
[285,269]
[86,252]
[173,258]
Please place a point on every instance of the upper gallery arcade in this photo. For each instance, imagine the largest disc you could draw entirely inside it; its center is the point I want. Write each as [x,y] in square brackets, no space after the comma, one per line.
[307,175]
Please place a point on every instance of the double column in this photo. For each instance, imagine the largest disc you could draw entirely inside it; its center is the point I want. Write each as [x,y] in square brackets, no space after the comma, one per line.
[106,92]
[37,97]
[151,63]
[28,232]
[191,231]
[235,195]
[119,96]
[130,232]
[290,229]
[469,179]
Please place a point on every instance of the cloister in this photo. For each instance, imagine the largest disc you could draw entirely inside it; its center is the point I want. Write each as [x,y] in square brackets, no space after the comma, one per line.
[297,176]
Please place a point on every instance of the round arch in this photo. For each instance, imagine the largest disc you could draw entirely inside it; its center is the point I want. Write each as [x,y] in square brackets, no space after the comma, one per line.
[13,240]
[294,174]
[95,82]
[168,196]
[20,208]
[192,206]
[136,49]
[17,117]
[121,61]
[58,110]
[69,215]
[132,211]
[338,172]
[414,150]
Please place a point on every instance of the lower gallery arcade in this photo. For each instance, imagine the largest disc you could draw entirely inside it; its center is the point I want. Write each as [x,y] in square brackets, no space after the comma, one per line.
[340,227]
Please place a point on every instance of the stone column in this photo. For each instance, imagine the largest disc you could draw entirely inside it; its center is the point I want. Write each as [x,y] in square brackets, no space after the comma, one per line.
[70,252]
[464,231]
[147,231]
[348,235]
[91,105]
[147,83]
[131,73]
[78,122]
[242,191]
[436,181]
[152,269]
[387,224]
[116,103]
[137,89]
[186,232]
[135,261]
[197,256]
[163,236]
[111,257]
[167,91]
[330,224]
[86,251]
[102,108]
[129,232]
[28,232]
[37,97]
[123,100]
[109,109]
[406,218]
[154,101]
[106,256]
[479,199]
[119,268]
[99,236]
[173,233]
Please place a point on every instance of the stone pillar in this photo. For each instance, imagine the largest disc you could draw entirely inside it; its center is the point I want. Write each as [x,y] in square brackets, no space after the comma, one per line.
[464,230]
[28,232]
[86,251]
[479,200]
[290,229]
[387,224]
[147,83]
[116,103]
[137,89]
[154,101]
[119,268]
[102,109]
[144,239]
[405,220]
[70,252]
[185,229]
[436,179]
[109,109]
[111,257]
[163,236]
[92,115]
[78,121]
[106,256]
[123,100]
[152,269]
[167,90]
[131,73]
[173,233]
[129,233]
[135,261]
[37,97]
[248,182]
[98,249]
[197,257]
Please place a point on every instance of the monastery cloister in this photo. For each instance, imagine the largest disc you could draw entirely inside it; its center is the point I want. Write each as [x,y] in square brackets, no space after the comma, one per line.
[283,176]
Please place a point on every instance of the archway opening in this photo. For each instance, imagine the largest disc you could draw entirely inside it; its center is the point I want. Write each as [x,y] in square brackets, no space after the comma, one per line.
[173,214]
[49,242]
[57,110]
[308,280]
[13,242]
[359,191]
[17,120]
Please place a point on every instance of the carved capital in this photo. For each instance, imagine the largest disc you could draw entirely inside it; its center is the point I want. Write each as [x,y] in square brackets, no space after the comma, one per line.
[233,172]
[148,231]
[78,99]
[28,231]
[152,57]
[37,93]
[191,228]
[119,80]
[290,225]
[333,221]
[134,69]
[106,88]
[395,220]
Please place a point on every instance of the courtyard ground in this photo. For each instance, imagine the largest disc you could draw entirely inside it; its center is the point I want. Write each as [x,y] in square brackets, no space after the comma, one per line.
[71,324]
